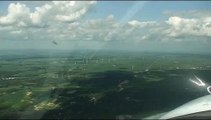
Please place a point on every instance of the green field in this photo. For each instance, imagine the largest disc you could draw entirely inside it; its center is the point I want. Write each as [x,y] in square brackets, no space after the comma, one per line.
[103,84]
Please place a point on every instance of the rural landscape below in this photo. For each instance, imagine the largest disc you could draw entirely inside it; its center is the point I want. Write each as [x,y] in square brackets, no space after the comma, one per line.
[102,84]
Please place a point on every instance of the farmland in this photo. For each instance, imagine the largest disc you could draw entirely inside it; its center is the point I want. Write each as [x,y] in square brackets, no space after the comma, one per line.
[97,84]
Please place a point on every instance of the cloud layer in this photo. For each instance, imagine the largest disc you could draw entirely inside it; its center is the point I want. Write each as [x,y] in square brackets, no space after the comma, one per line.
[57,11]
[61,20]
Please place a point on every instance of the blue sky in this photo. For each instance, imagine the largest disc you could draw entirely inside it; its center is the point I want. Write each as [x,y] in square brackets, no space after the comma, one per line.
[151,10]
[172,25]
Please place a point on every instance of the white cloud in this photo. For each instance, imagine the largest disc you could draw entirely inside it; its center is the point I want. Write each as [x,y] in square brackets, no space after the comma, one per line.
[136,23]
[17,14]
[61,11]
[184,26]
[57,11]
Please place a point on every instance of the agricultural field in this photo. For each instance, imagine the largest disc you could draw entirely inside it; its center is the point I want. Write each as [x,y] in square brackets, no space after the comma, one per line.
[97,84]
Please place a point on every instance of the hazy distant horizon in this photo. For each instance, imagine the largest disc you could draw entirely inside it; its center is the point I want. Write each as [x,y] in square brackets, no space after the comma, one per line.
[44,51]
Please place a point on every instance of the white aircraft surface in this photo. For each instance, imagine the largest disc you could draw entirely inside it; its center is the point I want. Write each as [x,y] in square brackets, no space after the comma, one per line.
[200,105]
